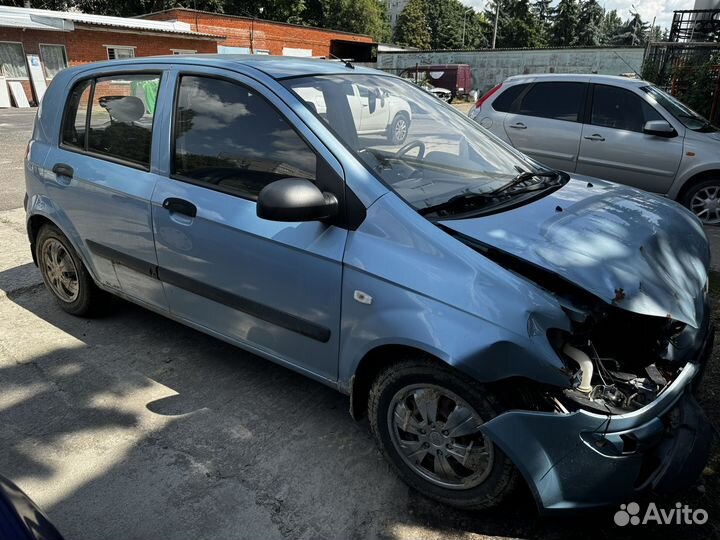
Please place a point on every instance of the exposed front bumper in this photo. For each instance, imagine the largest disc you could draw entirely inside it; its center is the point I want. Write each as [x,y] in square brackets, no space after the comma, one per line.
[582,459]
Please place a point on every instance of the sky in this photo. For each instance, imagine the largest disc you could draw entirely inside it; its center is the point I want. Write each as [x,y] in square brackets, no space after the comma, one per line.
[662,9]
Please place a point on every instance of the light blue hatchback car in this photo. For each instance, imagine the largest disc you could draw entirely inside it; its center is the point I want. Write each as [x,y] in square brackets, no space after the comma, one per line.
[497,321]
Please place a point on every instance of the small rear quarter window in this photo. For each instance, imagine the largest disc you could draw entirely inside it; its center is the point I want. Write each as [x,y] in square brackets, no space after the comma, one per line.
[504,102]
[75,115]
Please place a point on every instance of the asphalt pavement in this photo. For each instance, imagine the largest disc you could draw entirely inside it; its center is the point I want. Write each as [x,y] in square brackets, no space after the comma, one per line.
[132,426]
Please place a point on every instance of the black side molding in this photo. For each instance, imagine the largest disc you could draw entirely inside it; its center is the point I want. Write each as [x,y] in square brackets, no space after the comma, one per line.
[256,309]
[260,311]
[123,258]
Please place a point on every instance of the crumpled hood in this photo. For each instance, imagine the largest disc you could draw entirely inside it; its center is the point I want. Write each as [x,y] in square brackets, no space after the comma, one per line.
[638,251]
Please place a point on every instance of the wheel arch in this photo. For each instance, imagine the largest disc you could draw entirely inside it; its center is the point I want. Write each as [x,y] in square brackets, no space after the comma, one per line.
[36,221]
[694,180]
[34,224]
[371,364]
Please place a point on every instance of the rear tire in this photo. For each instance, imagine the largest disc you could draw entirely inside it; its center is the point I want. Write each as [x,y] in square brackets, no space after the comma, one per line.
[703,200]
[441,454]
[65,275]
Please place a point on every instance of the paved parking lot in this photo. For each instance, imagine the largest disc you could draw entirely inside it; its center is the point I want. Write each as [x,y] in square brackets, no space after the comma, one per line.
[132,427]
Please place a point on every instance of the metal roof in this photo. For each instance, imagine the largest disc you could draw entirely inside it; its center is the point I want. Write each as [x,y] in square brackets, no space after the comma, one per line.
[45,19]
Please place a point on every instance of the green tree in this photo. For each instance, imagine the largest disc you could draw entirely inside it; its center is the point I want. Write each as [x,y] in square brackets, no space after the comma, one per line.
[611,25]
[361,16]
[566,23]
[544,11]
[453,25]
[518,25]
[412,26]
[591,24]
[634,32]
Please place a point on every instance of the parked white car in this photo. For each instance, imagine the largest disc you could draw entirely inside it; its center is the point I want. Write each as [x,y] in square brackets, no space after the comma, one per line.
[616,128]
[374,112]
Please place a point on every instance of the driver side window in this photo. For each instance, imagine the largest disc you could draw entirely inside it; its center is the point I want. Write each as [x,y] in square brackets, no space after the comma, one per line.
[229,138]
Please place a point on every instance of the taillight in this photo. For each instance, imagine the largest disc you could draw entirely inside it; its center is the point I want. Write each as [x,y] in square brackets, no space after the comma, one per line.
[486,95]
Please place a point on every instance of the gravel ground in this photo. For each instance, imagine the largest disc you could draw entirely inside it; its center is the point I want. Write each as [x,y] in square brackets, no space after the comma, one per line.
[133,427]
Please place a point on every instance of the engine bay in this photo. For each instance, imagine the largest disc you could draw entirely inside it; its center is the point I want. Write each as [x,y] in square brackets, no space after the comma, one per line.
[620,361]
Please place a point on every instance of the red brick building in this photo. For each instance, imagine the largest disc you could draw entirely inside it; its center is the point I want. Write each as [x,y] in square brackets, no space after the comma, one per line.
[56,40]
[246,35]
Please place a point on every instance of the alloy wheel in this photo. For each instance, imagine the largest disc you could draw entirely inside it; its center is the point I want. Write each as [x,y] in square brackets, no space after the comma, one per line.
[400,129]
[437,434]
[705,204]
[60,271]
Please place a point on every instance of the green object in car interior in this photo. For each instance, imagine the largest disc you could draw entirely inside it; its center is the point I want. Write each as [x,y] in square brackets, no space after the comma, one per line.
[148,90]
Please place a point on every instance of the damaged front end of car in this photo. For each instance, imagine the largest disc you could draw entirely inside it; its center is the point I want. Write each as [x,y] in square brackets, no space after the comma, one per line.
[627,422]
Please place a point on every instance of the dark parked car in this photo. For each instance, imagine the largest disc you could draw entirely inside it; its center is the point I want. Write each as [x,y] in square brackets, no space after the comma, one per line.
[20,517]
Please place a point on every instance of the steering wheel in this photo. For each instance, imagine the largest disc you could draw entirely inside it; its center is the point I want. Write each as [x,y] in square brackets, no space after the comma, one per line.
[409,146]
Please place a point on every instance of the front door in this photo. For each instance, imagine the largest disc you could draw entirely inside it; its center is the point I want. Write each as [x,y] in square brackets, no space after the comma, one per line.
[374,110]
[545,124]
[103,179]
[272,287]
[614,147]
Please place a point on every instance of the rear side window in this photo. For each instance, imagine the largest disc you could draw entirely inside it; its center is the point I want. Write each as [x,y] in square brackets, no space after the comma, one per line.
[618,108]
[504,102]
[75,118]
[556,100]
[118,123]
[229,138]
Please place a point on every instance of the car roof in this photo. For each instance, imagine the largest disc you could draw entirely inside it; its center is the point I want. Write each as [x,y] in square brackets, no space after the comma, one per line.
[277,67]
[615,80]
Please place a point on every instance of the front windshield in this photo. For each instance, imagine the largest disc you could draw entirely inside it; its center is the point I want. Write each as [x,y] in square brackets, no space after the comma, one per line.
[689,118]
[424,149]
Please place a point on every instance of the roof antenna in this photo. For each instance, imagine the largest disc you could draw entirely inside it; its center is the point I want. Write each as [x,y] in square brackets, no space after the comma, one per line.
[346,62]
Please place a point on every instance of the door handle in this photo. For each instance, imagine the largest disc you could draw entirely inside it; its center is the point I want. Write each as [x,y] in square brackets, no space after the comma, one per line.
[61,169]
[519,125]
[180,206]
[595,137]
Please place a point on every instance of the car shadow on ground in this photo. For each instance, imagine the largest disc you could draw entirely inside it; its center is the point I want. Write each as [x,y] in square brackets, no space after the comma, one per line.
[164,431]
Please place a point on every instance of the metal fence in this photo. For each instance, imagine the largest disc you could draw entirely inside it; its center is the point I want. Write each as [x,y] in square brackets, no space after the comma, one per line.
[689,71]
[695,25]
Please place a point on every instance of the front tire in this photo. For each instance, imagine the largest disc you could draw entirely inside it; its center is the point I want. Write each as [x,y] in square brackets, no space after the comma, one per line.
[703,200]
[398,129]
[65,275]
[426,420]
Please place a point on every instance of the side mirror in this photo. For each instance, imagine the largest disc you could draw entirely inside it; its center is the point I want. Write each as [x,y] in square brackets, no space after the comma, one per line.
[372,101]
[295,199]
[659,128]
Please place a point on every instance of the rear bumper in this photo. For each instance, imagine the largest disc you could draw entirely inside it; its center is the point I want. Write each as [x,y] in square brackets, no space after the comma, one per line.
[583,460]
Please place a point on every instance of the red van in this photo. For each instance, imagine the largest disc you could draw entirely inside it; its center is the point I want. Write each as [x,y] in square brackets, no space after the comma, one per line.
[453,77]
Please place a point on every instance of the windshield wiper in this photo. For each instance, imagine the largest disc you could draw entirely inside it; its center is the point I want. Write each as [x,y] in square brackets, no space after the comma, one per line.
[469,197]
[524,177]
[458,201]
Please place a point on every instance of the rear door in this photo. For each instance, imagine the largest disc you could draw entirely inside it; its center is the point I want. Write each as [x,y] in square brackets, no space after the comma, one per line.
[614,147]
[546,123]
[103,176]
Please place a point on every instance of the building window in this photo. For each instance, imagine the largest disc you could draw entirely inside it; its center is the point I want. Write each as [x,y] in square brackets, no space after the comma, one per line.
[53,58]
[183,51]
[116,52]
[12,60]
